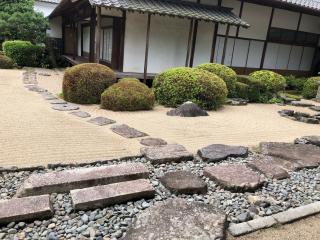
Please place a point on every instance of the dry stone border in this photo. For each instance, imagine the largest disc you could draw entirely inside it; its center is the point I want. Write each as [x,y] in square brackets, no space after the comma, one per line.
[218,152]
[101,121]
[300,117]
[127,132]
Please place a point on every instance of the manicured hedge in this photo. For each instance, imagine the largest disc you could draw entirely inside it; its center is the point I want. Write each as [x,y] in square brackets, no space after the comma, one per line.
[24,53]
[295,83]
[84,83]
[227,74]
[270,81]
[178,85]
[6,62]
[253,88]
[129,94]
[310,88]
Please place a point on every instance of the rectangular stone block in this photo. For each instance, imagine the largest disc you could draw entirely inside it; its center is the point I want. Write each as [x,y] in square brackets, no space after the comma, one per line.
[64,181]
[22,209]
[105,195]
[263,222]
[239,229]
[294,214]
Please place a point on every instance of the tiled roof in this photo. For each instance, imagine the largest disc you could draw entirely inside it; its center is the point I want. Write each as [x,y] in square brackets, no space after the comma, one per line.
[312,4]
[176,8]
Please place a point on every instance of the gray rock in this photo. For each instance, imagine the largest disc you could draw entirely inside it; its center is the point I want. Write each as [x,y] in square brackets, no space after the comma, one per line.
[301,104]
[315,108]
[244,217]
[314,140]
[218,152]
[58,101]
[81,114]
[237,102]
[286,112]
[187,109]
[178,219]
[184,182]
[153,142]
[101,121]
[127,132]
[65,107]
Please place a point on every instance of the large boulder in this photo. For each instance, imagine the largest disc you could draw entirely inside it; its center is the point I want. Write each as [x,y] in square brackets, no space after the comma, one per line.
[187,109]
[178,219]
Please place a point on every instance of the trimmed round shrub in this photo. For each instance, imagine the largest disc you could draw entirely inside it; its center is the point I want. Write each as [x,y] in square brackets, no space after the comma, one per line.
[227,74]
[310,87]
[129,94]
[254,87]
[242,90]
[6,62]
[178,85]
[270,81]
[84,83]
[295,83]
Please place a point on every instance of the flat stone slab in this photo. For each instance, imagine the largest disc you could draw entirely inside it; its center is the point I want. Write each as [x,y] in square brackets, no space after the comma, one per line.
[184,182]
[101,121]
[35,88]
[116,193]
[80,114]
[314,140]
[218,152]
[305,154]
[65,107]
[64,181]
[288,165]
[234,177]
[268,167]
[178,219]
[127,132]
[48,96]
[58,101]
[22,209]
[315,108]
[166,153]
[153,142]
[301,104]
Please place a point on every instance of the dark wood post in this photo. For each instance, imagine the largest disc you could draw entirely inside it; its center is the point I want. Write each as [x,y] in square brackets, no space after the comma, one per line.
[225,44]
[97,35]
[122,39]
[75,40]
[194,41]
[266,42]
[147,50]
[92,34]
[189,43]
[214,38]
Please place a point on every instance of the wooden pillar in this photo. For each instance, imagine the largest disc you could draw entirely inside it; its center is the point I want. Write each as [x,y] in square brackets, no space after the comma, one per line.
[92,35]
[189,43]
[214,38]
[97,35]
[75,40]
[266,42]
[194,41]
[147,50]
[122,39]
[225,44]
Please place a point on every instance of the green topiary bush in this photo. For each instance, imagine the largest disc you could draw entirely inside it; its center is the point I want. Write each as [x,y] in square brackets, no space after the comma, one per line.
[129,94]
[178,85]
[242,90]
[24,53]
[310,87]
[227,74]
[270,81]
[295,83]
[84,83]
[6,62]
[254,87]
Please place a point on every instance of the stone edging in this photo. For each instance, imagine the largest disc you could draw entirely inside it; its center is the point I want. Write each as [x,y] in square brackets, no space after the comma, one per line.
[288,216]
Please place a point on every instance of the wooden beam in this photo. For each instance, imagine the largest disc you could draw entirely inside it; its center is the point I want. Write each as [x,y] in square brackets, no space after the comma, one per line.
[92,35]
[225,44]
[97,35]
[147,50]
[189,43]
[267,38]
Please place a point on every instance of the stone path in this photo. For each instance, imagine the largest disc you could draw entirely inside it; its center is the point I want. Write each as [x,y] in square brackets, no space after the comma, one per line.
[218,152]
[127,132]
[101,121]
[178,219]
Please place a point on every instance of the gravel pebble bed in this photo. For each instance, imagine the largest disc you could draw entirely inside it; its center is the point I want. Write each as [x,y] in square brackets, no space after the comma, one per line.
[303,187]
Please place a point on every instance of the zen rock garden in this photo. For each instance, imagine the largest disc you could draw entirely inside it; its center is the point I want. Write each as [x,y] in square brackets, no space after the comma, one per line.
[166,193]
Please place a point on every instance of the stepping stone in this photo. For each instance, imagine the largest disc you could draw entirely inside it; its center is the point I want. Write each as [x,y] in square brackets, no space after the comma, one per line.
[127,132]
[305,154]
[184,182]
[285,164]
[234,177]
[314,140]
[49,97]
[301,104]
[116,193]
[153,142]
[218,152]
[166,154]
[187,109]
[23,209]
[58,101]
[178,219]
[269,168]
[36,88]
[80,114]
[101,121]
[315,108]
[65,107]
[64,181]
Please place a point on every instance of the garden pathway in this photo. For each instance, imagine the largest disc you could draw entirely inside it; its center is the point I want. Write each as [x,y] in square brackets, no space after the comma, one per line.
[32,134]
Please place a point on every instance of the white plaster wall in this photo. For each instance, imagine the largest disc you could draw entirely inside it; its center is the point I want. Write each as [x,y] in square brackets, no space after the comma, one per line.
[310,24]
[44,7]
[86,39]
[285,19]
[111,12]
[258,17]
[79,39]
[235,5]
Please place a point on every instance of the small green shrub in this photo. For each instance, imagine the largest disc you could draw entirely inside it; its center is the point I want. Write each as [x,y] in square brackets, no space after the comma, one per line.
[129,94]
[270,81]
[178,85]
[24,53]
[84,83]
[242,90]
[6,62]
[227,74]
[295,83]
[310,87]
[254,87]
